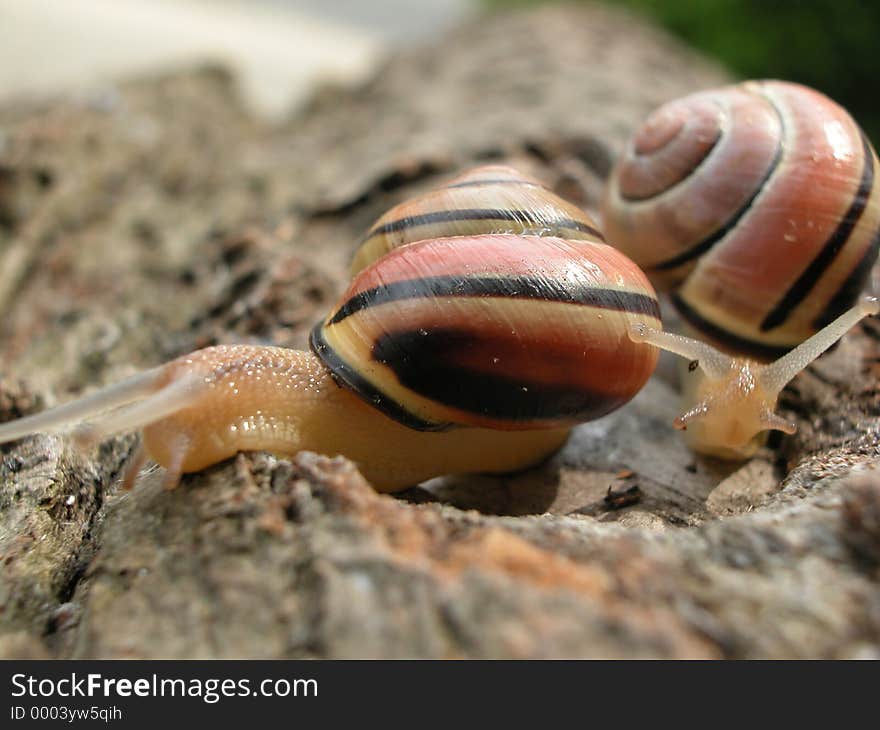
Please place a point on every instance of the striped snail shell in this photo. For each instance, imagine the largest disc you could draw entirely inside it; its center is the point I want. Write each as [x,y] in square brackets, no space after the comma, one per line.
[480,312]
[487,199]
[755,204]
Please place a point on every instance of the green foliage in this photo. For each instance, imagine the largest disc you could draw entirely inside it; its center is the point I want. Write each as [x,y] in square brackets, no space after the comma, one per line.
[831,45]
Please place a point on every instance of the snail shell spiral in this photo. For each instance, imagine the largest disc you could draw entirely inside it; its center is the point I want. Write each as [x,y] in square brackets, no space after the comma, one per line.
[756,205]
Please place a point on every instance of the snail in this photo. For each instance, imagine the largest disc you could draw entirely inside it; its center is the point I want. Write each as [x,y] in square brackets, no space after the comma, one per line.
[754,206]
[482,322]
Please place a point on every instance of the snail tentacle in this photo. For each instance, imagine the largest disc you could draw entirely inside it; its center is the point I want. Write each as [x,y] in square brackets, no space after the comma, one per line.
[171,398]
[713,362]
[778,374]
[119,394]
[698,411]
[774,422]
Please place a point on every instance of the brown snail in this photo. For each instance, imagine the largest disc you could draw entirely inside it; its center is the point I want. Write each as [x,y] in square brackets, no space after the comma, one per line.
[475,349]
[755,206]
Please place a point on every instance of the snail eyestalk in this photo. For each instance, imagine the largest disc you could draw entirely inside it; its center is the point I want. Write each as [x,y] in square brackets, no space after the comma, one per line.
[707,357]
[731,402]
[165,401]
[56,419]
[778,374]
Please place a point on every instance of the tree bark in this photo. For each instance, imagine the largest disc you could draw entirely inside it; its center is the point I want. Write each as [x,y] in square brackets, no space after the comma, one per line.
[157,216]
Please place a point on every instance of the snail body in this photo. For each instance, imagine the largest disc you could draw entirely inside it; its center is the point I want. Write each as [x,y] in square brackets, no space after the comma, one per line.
[755,206]
[445,355]
[250,398]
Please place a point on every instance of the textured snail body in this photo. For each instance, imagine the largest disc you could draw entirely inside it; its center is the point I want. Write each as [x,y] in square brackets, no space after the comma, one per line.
[249,398]
[755,205]
[474,351]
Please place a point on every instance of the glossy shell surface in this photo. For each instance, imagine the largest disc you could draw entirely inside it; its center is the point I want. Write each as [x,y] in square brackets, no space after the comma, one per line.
[756,205]
[487,199]
[500,331]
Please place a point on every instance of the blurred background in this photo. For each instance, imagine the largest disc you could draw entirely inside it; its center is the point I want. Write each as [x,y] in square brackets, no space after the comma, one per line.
[830,45]
[281,48]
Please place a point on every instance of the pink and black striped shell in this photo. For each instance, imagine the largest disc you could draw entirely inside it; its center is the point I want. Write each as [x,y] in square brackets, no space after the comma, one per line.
[756,205]
[499,330]
[487,199]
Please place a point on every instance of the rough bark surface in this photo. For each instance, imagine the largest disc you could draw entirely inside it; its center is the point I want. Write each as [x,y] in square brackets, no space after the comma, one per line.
[156,217]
